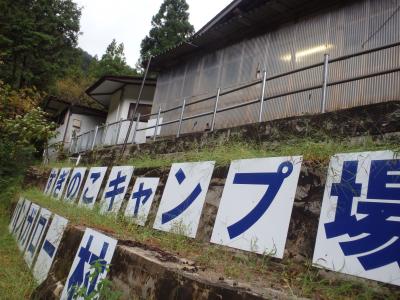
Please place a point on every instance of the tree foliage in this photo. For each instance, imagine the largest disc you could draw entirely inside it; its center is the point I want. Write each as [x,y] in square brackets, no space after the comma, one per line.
[24,128]
[113,62]
[37,40]
[170,26]
[87,69]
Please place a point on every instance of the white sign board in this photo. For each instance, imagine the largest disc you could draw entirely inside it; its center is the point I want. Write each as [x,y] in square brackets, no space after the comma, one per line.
[92,186]
[49,248]
[60,183]
[28,226]
[115,189]
[358,230]
[37,235]
[15,215]
[94,248]
[183,198]
[50,182]
[256,204]
[19,222]
[142,196]
[74,184]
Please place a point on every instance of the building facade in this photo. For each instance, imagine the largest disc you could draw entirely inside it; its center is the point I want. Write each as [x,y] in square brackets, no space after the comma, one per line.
[72,120]
[250,37]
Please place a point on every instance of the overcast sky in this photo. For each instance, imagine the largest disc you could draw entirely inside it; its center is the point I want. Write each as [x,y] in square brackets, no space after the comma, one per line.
[128,21]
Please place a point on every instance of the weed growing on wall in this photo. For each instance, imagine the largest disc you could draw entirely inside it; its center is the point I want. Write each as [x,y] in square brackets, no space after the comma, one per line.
[103,289]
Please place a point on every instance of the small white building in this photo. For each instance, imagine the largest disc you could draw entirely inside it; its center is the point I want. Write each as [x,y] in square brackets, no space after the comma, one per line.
[119,94]
[72,119]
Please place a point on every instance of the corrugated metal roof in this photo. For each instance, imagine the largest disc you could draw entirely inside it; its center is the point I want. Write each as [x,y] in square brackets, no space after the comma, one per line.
[239,20]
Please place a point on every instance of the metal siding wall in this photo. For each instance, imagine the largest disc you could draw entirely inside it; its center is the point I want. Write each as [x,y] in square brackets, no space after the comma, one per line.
[350,29]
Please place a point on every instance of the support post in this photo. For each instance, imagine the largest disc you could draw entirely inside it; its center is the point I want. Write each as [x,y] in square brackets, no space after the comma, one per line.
[180,118]
[136,108]
[215,110]
[76,144]
[71,144]
[136,128]
[88,140]
[264,82]
[118,131]
[324,82]
[103,141]
[157,122]
[94,137]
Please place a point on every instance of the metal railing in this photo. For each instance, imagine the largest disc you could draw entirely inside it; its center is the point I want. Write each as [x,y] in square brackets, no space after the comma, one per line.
[127,131]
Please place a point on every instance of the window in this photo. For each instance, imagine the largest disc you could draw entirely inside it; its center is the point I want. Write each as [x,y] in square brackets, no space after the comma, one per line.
[143,109]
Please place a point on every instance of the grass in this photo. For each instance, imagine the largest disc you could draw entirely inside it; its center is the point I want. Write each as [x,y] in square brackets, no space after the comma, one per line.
[318,149]
[300,279]
[16,281]
[223,154]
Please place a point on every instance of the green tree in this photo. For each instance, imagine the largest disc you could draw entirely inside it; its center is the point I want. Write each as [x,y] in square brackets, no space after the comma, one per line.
[37,40]
[24,129]
[113,62]
[170,26]
[71,87]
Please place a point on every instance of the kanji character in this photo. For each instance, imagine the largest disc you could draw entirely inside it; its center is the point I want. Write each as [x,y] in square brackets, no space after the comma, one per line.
[376,225]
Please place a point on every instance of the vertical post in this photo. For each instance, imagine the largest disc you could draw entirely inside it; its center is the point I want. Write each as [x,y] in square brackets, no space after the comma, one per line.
[142,86]
[103,141]
[88,140]
[264,82]
[180,118]
[324,82]
[136,108]
[71,145]
[157,122]
[44,155]
[136,128]
[215,110]
[118,131]
[76,144]
[95,136]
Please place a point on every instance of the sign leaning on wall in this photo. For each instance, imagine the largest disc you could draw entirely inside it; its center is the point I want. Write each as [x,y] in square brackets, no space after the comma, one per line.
[94,248]
[74,184]
[256,204]
[115,189]
[16,213]
[92,186]
[60,183]
[49,248]
[19,222]
[37,235]
[183,198]
[28,226]
[358,232]
[142,196]
[50,182]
